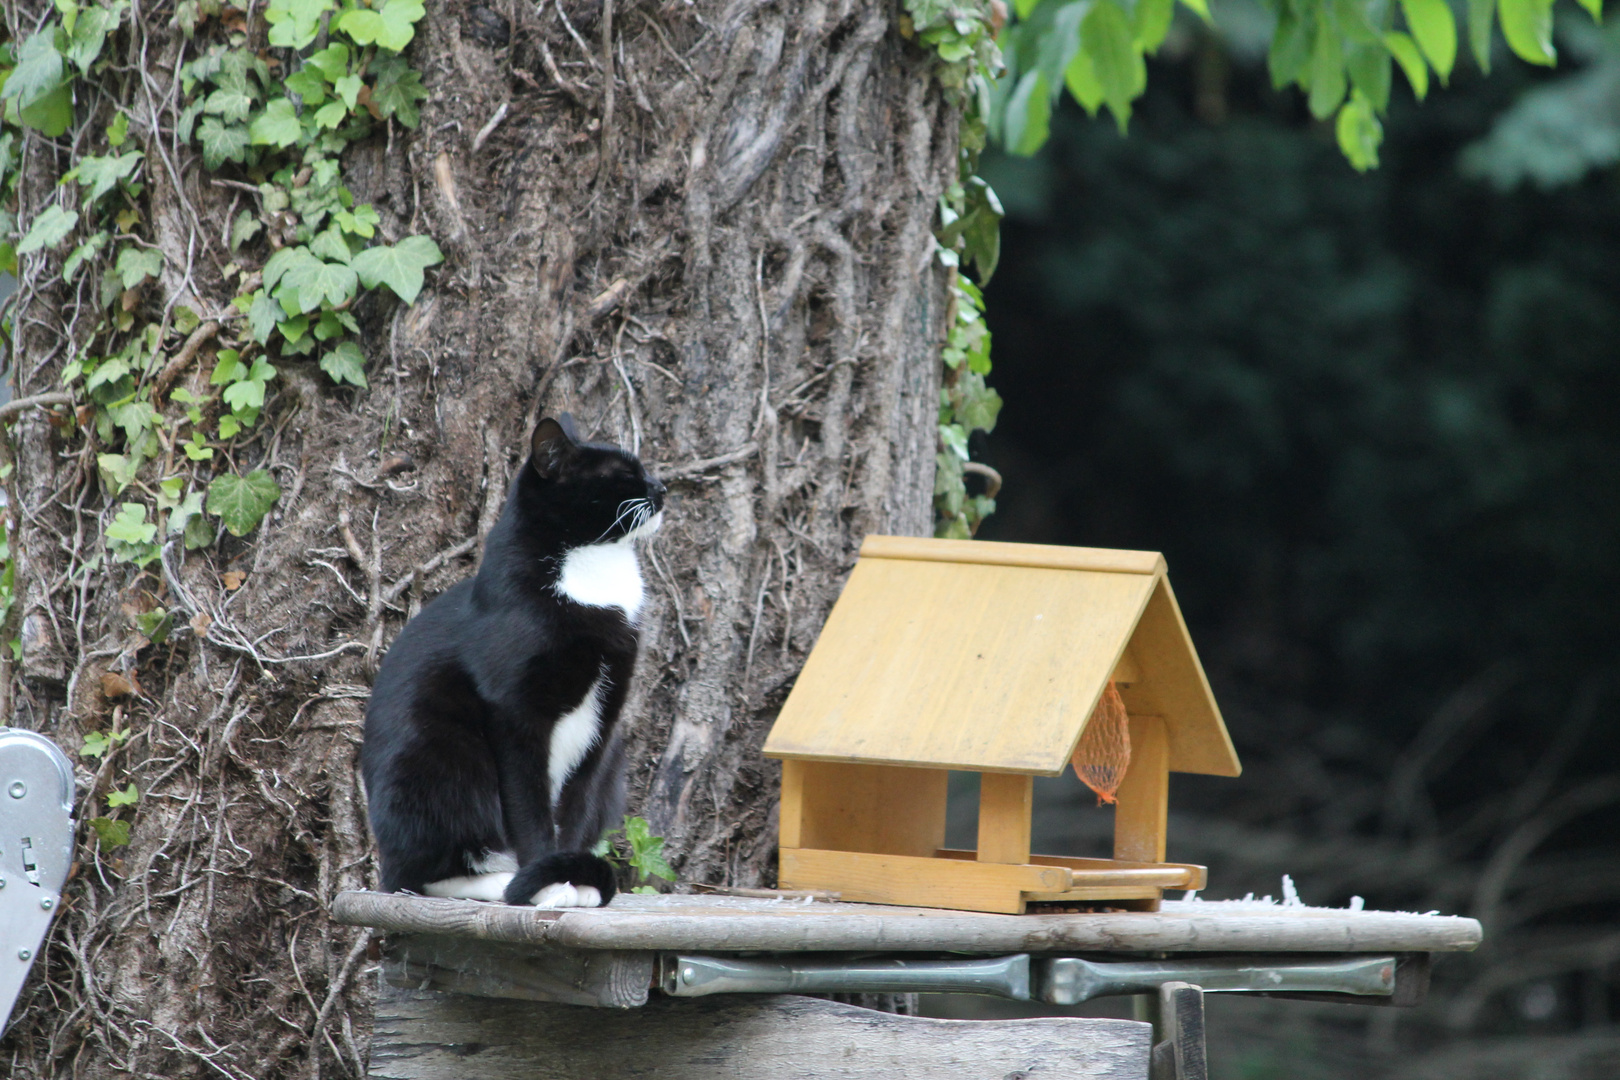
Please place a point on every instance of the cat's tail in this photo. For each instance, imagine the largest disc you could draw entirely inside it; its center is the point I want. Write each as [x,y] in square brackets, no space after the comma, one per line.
[563,879]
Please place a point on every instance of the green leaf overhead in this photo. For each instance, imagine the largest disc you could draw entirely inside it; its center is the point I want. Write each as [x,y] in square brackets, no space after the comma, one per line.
[1435,31]
[399,267]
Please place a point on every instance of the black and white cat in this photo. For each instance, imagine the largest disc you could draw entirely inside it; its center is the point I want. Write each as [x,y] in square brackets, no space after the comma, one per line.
[491,758]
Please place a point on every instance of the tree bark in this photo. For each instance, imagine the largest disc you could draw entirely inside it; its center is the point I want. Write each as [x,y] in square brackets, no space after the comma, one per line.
[705,229]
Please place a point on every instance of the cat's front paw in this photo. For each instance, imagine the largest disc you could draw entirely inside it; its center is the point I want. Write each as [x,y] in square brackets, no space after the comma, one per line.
[563,894]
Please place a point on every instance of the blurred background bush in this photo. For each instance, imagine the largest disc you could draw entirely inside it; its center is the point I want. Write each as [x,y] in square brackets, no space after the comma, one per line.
[1373,422]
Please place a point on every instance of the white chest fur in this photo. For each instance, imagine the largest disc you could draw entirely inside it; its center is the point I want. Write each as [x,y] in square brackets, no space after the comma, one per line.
[574,736]
[603,575]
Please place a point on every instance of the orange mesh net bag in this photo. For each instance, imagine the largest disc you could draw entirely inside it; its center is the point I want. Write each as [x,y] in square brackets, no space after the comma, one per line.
[1104,752]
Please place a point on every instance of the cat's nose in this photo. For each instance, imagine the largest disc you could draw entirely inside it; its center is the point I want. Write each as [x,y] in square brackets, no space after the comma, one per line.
[656,489]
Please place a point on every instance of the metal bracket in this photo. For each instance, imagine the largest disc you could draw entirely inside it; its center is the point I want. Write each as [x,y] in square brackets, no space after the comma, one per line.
[1069,980]
[36,850]
[1060,980]
[680,975]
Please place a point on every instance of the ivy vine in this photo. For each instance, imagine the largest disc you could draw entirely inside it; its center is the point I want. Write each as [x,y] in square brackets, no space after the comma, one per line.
[271,124]
[961,34]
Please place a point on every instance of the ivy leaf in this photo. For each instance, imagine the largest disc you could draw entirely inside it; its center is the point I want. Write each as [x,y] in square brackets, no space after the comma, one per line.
[118,130]
[329,116]
[346,363]
[281,262]
[97,743]
[277,126]
[135,265]
[392,27]
[111,833]
[244,228]
[330,245]
[130,535]
[50,228]
[180,517]
[130,795]
[242,396]
[361,222]
[263,316]
[82,254]
[332,61]
[228,368]
[117,470]
[39,70]
[294,23]
[154,625]
[229,104]
[90,32]
[308,84]
[199,530]
[222,142]
[39,85]
[348,88]
[241,502]
[50,115]
[318,282]
[397,90]
[399,266]
[101,174]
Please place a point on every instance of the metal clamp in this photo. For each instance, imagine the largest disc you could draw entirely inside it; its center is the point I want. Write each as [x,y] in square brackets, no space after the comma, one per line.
[1059,980]
[680,975]
[1069,980]
[36,850]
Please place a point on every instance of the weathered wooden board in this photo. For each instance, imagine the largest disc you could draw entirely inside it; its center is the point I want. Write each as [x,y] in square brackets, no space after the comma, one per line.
[604,978]
[421,1035]
[725,923]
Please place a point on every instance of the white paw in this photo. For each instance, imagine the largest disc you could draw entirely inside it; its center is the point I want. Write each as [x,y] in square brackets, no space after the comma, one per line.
[471,887]
[564,894]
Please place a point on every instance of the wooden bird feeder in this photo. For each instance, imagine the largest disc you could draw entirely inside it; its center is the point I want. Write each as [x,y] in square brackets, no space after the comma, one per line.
[946,655]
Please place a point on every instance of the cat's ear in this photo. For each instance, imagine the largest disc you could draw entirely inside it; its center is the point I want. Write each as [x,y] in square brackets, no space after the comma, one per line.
[552,442]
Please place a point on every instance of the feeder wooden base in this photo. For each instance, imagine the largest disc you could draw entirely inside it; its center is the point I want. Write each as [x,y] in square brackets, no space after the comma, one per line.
[956,880]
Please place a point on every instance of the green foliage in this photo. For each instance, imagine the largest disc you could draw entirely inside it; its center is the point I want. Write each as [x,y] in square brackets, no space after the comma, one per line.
[633,845]
[969,232]
[110,832]
[97,744]
[128,797]
[1339,53]
[242,501]
[130,536]
[284,135]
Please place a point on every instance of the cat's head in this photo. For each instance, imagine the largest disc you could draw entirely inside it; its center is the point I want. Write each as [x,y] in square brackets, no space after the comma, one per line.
[590,493]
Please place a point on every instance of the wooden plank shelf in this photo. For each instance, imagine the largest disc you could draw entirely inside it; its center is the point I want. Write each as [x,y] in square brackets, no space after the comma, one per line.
[736,924]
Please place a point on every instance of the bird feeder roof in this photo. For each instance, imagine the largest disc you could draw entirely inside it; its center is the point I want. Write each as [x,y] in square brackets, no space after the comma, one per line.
[988,657]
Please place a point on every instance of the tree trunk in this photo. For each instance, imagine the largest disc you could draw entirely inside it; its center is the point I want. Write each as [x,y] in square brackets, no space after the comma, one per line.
[703,228]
